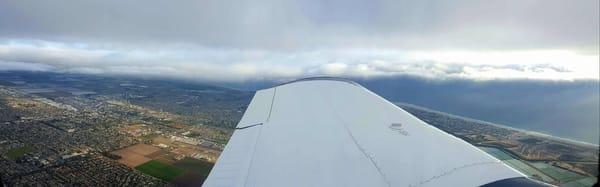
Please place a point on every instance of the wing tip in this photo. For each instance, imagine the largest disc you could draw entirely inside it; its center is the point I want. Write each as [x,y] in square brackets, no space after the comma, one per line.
[318,78]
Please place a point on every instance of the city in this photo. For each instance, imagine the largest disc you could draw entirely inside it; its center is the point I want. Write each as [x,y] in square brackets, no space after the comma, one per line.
[61,135]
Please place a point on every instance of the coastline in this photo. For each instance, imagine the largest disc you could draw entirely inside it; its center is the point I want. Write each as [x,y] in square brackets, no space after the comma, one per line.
[526,131]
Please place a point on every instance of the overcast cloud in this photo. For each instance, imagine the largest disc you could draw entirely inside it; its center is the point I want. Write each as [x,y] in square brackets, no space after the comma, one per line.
[253,40]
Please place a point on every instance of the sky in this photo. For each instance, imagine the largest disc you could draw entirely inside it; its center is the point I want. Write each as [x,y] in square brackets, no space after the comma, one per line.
[238,41]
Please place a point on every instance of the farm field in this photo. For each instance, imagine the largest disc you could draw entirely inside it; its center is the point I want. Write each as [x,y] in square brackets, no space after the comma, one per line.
[17,153]
[199,166]
[571,178]
[517,164]
[138,154]
[196,171]
[160,170]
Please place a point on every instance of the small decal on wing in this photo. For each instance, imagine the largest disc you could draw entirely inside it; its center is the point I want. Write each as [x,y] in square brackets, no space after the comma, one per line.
[398,127]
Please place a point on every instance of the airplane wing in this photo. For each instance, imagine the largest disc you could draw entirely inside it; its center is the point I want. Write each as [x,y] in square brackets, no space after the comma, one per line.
[334,132]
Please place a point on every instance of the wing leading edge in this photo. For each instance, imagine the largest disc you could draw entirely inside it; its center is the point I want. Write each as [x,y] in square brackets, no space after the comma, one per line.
[334,132]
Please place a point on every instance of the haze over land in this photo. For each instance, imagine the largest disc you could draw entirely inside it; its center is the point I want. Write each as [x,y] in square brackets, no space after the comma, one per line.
[529,64]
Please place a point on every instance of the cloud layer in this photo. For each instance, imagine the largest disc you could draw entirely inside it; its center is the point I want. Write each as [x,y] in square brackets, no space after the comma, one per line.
[236,41]
[227,65]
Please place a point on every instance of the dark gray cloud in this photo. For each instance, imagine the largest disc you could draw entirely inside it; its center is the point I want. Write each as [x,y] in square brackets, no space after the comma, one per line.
[475,25]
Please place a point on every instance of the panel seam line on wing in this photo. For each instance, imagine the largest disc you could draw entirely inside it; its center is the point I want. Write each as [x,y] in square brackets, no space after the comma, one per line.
[245,127]
[258,137]
[272,101]
[453,170]
[252,157]
[360,148]
[367,155]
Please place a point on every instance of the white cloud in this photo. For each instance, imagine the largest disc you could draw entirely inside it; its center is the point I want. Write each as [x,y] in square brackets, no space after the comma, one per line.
[204,64]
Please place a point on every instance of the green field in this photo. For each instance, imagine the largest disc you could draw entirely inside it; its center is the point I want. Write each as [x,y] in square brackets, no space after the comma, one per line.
[160,170]
[548,172]
[588,181]
[499,154]
[149,136]
[517,164]
[528,170]
[199,166]
[17,153]
[558,173]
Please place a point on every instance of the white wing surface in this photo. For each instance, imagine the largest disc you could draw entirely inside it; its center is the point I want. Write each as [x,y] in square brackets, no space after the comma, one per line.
[334,132]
